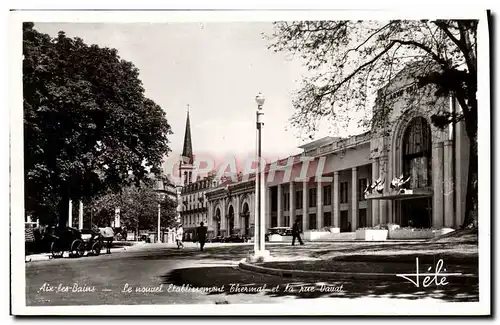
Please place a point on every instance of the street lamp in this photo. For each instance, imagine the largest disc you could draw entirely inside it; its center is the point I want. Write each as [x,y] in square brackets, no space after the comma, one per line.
[160,190]
[259,241]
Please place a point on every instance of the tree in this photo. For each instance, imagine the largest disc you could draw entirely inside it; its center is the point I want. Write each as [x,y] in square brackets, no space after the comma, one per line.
[87,123]
[138,207]
[349,61]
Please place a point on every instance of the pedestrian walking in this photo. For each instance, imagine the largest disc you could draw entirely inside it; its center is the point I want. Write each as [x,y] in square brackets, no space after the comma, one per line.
[296,233]
[179,233]
[202,235]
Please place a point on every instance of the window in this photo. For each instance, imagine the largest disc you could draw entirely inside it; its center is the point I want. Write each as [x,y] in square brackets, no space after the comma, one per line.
[328,219]
[299,218]
[298,200]
[312,221]
[274,219]
[344,194]
[362,218]
[286,221]
[417,150]
[327,195]
[361,188]
[312,197]
[286,201]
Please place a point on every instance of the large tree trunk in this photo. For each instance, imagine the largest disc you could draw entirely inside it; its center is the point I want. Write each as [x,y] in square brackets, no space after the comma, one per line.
[471,200]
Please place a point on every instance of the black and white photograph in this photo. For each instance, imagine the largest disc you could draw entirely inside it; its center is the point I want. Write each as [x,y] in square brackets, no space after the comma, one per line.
[250,162]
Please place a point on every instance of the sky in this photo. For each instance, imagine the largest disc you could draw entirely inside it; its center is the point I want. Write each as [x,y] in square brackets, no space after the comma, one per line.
[215,68]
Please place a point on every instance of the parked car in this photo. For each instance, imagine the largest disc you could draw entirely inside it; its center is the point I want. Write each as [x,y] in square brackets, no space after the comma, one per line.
[145,238]
[234,238]
[283,231]
[217,239]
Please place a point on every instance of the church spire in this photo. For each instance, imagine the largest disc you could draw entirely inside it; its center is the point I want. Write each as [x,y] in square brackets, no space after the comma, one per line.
[187,151]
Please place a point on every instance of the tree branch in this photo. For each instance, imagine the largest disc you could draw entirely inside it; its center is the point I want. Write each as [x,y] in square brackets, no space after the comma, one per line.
[441,25]
[360,68]
[367,39]
[427,49]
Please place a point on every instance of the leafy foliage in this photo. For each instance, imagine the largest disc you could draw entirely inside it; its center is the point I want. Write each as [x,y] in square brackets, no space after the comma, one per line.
[353,64]
[87,123]
[138,207]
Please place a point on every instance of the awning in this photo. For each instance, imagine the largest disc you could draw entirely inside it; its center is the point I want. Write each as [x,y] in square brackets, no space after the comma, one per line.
[401,194]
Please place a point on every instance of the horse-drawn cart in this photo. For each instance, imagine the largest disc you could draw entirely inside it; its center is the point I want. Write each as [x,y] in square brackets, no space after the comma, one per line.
[75,242]
[92,241]
[66,239]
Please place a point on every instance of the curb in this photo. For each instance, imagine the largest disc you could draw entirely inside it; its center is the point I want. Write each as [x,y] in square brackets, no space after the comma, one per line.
[48,256]
[322,274]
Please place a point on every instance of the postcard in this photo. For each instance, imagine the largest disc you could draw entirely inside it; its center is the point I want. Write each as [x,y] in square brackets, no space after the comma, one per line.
[250,162]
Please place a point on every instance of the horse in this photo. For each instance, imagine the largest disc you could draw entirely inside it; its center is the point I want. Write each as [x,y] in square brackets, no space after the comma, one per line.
[107,235]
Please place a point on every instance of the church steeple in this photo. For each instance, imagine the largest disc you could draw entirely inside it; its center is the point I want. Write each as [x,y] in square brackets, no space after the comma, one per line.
[187,150]
[187,159]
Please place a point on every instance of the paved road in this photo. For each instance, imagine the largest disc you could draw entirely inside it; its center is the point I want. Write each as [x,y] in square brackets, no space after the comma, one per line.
[162,274]
[129,277]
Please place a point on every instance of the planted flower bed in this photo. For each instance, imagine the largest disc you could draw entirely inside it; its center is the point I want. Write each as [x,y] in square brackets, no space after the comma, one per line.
[276,238]
[374,233]
[411,233]
[321,234]
[398,233]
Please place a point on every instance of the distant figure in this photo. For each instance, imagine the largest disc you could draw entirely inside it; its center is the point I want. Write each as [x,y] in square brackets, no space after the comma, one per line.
[202,235]
[179,233]
[296,233]
[107,234]
[349,226]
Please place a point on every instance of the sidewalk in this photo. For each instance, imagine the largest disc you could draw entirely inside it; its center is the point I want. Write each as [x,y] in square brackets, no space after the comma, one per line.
[348,259]
[117,248]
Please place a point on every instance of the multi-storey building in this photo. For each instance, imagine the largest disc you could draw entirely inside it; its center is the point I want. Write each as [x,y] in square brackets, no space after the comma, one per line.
[356,182]
[193,204]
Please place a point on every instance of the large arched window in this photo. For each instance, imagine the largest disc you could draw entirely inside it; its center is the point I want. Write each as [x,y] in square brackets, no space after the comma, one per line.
[417,149]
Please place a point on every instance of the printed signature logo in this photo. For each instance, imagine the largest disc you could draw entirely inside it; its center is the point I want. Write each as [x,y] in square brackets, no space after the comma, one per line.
[438,278]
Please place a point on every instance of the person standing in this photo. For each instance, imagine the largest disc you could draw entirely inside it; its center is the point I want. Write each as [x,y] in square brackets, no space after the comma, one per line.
[179,233]
[296,233]
[202,235]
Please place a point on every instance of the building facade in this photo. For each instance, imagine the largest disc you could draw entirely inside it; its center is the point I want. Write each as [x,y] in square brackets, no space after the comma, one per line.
[192,192]
[404,170]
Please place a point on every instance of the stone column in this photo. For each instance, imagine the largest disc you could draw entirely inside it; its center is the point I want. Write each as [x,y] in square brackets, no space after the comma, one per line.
[461,165]
[268,208]
[383,210]
[437,184]
[336,200]
[354,199]
[292,203]
[319,206]
[305,205]
[237,213]
[70,213]
[375,203]
[117,217]
[448,186]
[279,197]
[209,215]
[223,217]
[80,215]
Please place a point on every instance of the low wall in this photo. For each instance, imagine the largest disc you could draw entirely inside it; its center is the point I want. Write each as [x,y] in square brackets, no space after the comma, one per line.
[321,235]
[411,234]
[371,234]
[401,234]
[278,238]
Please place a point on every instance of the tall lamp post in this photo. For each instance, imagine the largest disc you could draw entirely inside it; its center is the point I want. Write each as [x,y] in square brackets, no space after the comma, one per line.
[259,242]
[160,190]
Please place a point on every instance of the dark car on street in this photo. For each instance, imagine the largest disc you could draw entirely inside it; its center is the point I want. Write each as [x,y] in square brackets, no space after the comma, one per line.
[234,238]
[217,239]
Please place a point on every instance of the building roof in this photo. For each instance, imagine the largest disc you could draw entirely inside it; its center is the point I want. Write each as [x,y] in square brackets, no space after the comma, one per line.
[319,142]
[187,150]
